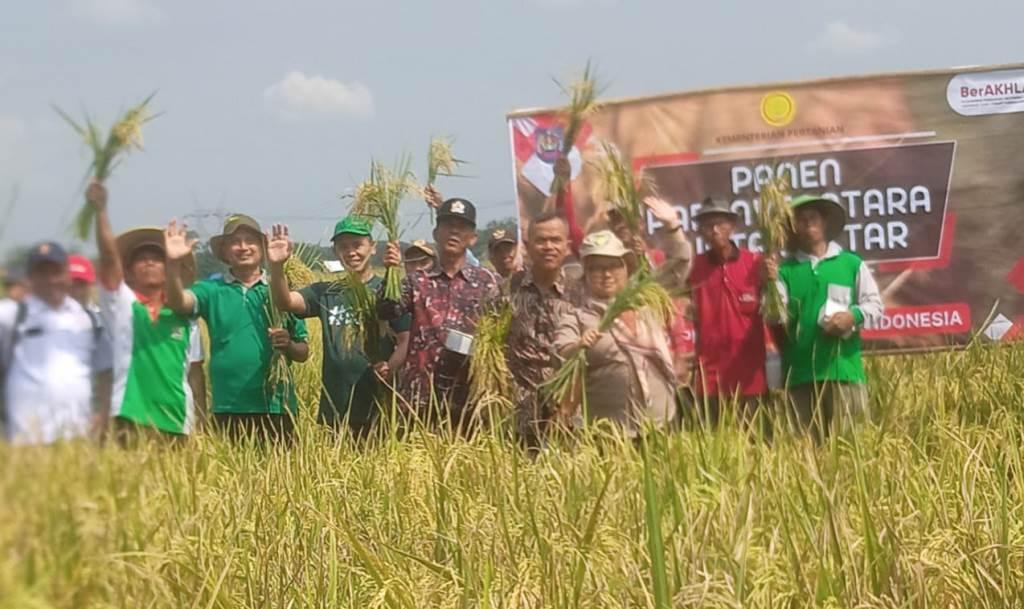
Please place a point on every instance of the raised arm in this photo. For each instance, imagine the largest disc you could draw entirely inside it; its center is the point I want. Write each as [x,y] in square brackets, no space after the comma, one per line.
[111,274]
[178,247]
[279,250]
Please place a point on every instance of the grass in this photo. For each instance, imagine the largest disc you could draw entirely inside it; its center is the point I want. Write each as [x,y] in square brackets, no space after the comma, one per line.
[922,507]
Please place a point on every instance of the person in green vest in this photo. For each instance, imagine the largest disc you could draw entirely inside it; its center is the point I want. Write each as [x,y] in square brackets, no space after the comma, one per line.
[353,379]
[236,307]
[830,296]
[158,383]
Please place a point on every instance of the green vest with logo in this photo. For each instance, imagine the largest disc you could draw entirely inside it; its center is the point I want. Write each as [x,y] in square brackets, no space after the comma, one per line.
[810,354]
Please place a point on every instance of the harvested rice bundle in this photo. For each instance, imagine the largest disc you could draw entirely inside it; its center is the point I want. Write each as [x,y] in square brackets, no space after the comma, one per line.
[774,220]
[582,105]
[489,376]
[107,150]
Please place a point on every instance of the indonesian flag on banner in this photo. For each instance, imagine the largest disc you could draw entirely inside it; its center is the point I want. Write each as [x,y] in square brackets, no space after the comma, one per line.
[538,144]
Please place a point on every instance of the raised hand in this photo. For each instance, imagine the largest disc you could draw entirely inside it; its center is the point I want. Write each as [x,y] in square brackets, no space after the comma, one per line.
[392,255]
[96,195]
[563,169]
[432,196]
[663,211]
[177,244]
[279,245]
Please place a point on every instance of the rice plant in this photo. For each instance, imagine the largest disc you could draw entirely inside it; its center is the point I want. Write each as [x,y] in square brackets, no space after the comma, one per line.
[774,220]
[107,149]
[378,199]
[441,160]
[582,94]
[489,374]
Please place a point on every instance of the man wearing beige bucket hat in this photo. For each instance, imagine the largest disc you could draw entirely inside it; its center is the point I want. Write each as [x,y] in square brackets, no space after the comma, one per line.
[158,375]
[237,309]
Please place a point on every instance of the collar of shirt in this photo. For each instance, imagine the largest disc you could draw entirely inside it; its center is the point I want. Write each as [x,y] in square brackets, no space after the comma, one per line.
[153,305]
[558,286]
[834,249]
[229,277]
[34,304]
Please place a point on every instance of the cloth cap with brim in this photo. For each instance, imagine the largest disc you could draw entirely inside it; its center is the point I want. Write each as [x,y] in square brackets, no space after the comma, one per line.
[417,251]
[233,224]
[130,242]
[603,243]
[48,251]
[501,236]
[462,209]
[835,215]
[80,268]
[353,225]
[714,207]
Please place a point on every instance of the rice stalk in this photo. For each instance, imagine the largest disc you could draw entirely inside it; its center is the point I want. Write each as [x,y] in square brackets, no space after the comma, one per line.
[299,267]
[279,382]
[643,292]
[774,220]
[378,199]
[364,331]
[441,160]
[582,105]
[623,192]
[489,376]
[107,150]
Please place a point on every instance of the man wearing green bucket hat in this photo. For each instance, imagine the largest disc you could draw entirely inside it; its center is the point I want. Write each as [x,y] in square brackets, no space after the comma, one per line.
[830,294]
[243,339]
[357,355]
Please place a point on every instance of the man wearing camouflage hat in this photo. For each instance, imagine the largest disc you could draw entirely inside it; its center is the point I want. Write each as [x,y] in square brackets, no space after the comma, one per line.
[501,251]
[419,256]
[355,360]
[236,308]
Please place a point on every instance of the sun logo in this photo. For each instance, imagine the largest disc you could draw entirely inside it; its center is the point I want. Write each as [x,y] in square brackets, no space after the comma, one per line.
[778,108]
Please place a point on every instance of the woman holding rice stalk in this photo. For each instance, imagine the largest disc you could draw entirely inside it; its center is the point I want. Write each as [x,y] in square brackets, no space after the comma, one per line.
[250,347]
[629,377]
[352,368]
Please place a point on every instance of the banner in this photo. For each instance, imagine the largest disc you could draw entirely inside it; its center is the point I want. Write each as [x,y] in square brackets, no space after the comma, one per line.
[928,166]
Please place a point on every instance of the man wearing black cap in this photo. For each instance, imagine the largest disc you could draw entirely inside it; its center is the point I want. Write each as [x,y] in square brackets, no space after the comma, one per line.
[448,298]
[501,251]
[52,354]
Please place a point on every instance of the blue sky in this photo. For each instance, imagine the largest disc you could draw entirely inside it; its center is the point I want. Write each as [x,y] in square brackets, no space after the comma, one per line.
[275,108]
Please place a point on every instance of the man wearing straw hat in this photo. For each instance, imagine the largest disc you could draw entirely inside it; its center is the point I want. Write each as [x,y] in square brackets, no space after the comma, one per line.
[830,294]
[157,353]
[243,339]
[419,256]
[726,287]
[351,375]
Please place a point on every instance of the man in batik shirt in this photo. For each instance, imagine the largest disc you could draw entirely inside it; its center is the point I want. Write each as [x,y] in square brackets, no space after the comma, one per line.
[451,296]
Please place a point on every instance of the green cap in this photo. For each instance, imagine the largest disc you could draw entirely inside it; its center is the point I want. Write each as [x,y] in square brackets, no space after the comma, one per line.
[353,225]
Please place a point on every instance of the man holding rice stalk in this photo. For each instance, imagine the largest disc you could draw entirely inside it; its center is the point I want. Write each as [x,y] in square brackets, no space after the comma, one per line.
[157,353]
[616,344]
[828,295]
[726,286]
[244,340]
[352,369]
[445,304]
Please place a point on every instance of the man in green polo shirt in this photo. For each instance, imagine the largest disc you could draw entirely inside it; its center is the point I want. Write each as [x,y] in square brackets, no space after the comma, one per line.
[236,308]
[351,381]
[158,355]
[830,295]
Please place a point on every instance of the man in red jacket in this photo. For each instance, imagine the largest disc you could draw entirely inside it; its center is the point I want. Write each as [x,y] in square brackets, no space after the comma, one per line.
[726,285]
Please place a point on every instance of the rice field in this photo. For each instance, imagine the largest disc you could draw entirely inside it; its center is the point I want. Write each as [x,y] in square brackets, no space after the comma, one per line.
[921,507]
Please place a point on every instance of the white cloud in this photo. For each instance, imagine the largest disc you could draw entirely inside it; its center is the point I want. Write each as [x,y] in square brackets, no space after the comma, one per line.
[117,12]
[298,96]
[841,37]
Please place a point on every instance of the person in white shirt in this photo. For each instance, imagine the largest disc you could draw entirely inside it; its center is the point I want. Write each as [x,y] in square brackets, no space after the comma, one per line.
[52,355]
